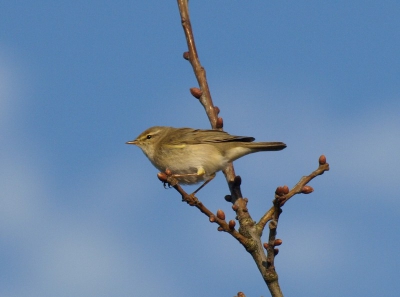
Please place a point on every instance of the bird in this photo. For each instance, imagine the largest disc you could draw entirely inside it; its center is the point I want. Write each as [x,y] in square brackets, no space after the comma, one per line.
[196,155]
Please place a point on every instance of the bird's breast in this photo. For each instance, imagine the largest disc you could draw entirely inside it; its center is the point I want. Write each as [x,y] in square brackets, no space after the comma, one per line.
[188,159]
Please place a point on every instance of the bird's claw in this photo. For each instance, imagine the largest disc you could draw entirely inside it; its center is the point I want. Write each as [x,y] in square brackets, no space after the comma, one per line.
[166,183]
[167,178]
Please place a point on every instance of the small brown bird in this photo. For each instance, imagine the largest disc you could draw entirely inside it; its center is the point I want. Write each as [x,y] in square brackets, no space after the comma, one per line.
[195,155]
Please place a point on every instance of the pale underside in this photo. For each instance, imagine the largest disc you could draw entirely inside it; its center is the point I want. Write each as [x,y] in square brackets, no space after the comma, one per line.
[204,159]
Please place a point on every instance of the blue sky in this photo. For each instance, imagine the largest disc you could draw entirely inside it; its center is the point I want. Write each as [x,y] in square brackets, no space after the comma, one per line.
[83,214]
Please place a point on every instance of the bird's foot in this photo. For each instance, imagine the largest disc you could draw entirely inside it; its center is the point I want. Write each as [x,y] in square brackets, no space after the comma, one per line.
[167,178]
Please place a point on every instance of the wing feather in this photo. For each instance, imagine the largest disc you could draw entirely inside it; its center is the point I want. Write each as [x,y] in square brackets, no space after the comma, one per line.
[198,136]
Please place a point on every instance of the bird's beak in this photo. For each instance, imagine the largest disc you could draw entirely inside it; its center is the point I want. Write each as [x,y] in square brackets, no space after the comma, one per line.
[131,142]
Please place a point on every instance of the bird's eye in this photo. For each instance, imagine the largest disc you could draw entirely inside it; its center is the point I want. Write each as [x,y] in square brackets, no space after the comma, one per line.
[148,136]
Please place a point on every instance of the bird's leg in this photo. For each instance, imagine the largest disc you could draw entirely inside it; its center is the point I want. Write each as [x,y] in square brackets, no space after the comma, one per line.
[169,178]
[206,182]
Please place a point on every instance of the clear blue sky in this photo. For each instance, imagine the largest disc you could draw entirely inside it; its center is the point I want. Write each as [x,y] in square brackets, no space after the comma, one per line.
[83,214]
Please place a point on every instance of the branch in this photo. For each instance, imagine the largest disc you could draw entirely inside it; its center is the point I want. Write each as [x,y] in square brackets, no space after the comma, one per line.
[249,233]
[283,193]
[192,200]
[301,186]
[203,94]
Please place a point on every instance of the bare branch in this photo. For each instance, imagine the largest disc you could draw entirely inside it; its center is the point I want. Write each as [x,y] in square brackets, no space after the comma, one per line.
[204,94]
[249,233]
[283,194]
[192,200]
[300,187]
[199,71]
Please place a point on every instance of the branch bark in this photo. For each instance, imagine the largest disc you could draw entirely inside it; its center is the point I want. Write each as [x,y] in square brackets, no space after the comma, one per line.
[249,232]
[204,95]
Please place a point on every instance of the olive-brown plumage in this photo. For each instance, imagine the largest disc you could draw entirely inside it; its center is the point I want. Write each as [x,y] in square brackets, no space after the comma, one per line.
[195,155]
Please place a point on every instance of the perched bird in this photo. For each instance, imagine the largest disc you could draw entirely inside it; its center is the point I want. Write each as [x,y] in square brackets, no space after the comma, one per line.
[195,155]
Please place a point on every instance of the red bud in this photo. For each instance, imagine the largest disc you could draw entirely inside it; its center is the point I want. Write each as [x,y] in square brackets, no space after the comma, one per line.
[220,123]
[307,190]
[162,177]
[196,92]
[322,160]
[232,224]
[279,191]
[285,189]
[186,55]
[220,214]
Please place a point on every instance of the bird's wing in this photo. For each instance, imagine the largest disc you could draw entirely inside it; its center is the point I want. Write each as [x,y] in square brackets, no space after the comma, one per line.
[198,136]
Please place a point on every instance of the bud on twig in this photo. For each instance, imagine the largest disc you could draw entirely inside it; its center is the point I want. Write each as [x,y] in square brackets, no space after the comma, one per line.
[168,172]
[235,207]
[220,229]
[237,181]
[280,191]
[220,214]
[196,92]
[277,242]
[307,190]
[220,123]
[232,224]
[162,177]
[265,245]
[216,108]
[322,160]
[212,219]
[228,198]
[276,251]
[186,55]
[285,189]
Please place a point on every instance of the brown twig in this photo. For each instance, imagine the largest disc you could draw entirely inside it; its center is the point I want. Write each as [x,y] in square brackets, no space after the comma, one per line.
[271,276]
[282,195]
[203,94]
[249,233]
[192,200]
[199,71]
[301,186]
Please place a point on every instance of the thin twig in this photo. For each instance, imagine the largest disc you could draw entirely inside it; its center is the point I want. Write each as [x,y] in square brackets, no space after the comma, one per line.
[297,189]
[199,71]
[249,233]
[205,98]
[192,200]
